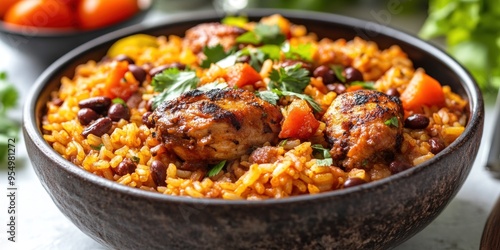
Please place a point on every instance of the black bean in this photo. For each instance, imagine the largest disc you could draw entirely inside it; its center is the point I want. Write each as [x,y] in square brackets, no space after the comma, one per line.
[99,127]
[124,58]
[119,111]
[437,145]
[138,72]
[326,73]
[336,87]
[161,68]
[146,121]
[352,75]
[417,121]
[86,116]
[392,92]
[354,181]
[158,172]
[398,166]
[126,166]
[99,104]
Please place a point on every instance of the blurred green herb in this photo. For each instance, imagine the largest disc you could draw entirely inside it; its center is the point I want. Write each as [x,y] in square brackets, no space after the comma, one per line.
[263,34]
[324,159]
[472,33]
[8,128]
[393,121]
[119,101]
[215,170]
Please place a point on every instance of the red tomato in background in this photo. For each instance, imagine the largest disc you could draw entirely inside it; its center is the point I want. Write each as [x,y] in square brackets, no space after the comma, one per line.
[5,5]
[40,13]
[100,13]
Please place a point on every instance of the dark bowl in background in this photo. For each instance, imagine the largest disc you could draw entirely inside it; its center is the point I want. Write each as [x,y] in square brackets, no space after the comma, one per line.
[375,215]
[47,44]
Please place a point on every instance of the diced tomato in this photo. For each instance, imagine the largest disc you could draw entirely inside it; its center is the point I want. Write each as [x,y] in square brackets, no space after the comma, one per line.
[242,74]
[422,90]
[300,122]
[116,85]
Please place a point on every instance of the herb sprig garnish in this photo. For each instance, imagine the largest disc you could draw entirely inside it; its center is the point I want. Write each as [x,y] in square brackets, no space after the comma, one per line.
[288,81]
[171,83]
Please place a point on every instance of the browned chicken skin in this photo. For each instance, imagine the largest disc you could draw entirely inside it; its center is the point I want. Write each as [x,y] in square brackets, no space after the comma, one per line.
[220,124]
[360,129]
[210,35]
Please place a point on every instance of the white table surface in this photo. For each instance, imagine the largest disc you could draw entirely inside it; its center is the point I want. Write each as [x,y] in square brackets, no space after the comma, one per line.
[42,226]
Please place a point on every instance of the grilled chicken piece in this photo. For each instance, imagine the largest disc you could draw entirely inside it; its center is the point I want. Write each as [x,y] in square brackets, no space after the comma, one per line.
[220,124]
[364,127]
[210,35]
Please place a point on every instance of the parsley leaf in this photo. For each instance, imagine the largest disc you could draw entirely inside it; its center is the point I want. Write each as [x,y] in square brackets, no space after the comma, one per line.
[307,98]
[303,51]
[136,159]
[215,170]
[98,147]
[172,83]
[263,34]
[119,100]
[393,121]
[268,96]
[325,154]
[214,54]
[338,69]
[291,78]
[288,81]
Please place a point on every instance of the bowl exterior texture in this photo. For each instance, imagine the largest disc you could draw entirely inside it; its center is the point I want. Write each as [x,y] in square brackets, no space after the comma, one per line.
[376,215]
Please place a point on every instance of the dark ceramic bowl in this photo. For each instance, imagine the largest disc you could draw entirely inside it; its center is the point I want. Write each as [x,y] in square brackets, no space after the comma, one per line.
[376,215]
[47,45]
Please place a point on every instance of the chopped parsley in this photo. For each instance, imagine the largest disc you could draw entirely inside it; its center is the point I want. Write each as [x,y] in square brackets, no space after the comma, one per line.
[136,159]
[393,121]
[291,78]
[98,147]
[283,143]
[269,96]
[324,159]
[215,170]
[263,34]
[171,83]
[288,81]
[119,100]
[299,52]
[338,69]
[214,54]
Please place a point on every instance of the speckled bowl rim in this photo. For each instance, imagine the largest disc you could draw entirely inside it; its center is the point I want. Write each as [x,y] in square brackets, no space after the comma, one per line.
[30,124]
